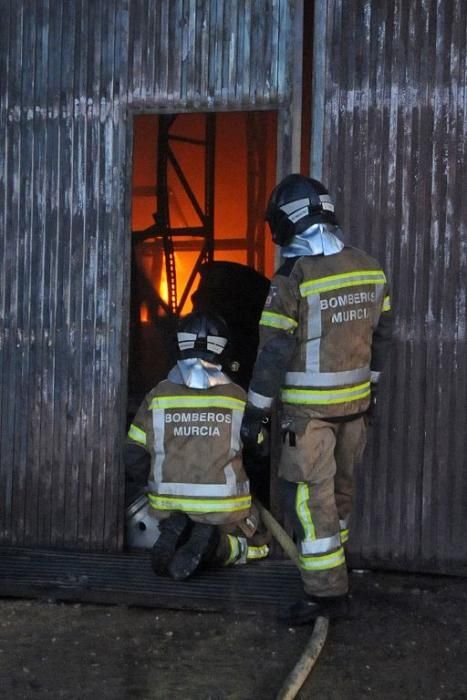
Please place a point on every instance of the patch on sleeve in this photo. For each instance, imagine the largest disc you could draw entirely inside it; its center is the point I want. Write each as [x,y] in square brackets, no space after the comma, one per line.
[271,294]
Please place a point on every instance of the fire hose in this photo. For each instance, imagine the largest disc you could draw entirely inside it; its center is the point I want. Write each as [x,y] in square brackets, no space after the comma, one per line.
[310,654]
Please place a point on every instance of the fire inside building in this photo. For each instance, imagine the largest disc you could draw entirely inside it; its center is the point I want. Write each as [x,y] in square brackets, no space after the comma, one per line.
[200,185]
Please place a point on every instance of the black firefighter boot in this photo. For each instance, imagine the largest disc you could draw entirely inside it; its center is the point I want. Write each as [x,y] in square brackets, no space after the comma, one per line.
[199,548]
[172,530]
[308,608]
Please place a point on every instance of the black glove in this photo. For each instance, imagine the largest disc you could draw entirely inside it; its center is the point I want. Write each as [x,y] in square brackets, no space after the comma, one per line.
[253,428]
[372,412]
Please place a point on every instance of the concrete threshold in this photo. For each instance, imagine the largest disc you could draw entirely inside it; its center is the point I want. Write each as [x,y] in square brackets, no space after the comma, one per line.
[127,579]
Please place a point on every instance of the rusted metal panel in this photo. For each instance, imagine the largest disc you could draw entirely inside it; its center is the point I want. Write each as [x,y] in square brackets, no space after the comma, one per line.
[390,140]
[70,74]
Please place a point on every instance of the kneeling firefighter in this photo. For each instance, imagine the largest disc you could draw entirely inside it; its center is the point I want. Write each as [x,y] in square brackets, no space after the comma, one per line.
[324,336]
[189,427]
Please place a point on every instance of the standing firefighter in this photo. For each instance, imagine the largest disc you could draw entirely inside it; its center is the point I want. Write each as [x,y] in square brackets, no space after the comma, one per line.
[189,426]
[324,335]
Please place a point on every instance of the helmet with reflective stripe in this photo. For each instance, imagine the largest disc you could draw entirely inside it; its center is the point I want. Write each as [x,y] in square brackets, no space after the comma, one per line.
[295,204]
[203,335]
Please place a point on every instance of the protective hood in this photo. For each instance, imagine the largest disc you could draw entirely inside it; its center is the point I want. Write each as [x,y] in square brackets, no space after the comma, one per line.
[197,374]
[318,239]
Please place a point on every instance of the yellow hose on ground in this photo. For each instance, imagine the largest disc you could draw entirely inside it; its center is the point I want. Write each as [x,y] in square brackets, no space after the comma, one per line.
[302,669]
[278,532]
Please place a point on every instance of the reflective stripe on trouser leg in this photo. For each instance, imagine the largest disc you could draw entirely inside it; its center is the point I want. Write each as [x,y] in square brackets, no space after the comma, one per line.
[344,529]
[238,550]
[255,552]
[322,559]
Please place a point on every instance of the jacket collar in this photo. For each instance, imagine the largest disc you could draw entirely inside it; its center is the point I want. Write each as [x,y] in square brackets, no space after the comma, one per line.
[318,239]
[197,374]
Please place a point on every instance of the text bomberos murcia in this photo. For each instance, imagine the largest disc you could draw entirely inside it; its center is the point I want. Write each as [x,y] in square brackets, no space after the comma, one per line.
[197,423]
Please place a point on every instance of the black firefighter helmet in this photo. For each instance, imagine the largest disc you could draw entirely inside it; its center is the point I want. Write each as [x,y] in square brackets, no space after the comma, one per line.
[295,204]
[204,335]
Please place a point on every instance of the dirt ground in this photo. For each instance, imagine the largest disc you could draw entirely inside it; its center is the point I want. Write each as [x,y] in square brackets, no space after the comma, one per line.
[406,639]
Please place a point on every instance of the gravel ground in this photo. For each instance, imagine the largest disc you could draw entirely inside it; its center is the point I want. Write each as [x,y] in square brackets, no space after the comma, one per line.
[406,639]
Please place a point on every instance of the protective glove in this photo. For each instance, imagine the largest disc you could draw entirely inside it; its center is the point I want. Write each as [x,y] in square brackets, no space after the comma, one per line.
[372,412]
[253,430]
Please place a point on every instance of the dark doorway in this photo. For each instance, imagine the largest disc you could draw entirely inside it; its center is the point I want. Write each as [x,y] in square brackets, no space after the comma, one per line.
[200,185]
[199,190]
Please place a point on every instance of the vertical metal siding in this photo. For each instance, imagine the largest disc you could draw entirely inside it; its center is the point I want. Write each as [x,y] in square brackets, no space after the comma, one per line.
[390,139]
[68,72]
[63,242]
[210,53]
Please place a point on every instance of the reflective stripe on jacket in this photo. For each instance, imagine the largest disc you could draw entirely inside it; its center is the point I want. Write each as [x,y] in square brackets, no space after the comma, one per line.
[322,330]
[193,438]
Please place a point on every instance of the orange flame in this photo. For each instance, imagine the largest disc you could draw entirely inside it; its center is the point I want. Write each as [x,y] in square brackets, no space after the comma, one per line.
[144,313]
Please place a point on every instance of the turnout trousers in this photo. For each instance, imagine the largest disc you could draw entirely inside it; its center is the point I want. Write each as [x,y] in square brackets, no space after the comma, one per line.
[238,543]
[317,463]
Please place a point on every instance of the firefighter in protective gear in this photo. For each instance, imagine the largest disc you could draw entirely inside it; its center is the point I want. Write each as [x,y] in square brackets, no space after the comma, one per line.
[189,427]
[324,335]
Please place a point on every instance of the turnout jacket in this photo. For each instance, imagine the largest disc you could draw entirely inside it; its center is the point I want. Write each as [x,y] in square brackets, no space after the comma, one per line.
[193,439]
[324,335]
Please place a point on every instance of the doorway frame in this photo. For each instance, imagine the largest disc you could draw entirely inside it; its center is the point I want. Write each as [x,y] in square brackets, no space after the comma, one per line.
[288,160]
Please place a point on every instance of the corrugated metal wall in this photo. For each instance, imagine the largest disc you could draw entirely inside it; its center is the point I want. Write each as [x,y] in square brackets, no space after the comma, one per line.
[208,53]
[390,139]
[68,71]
